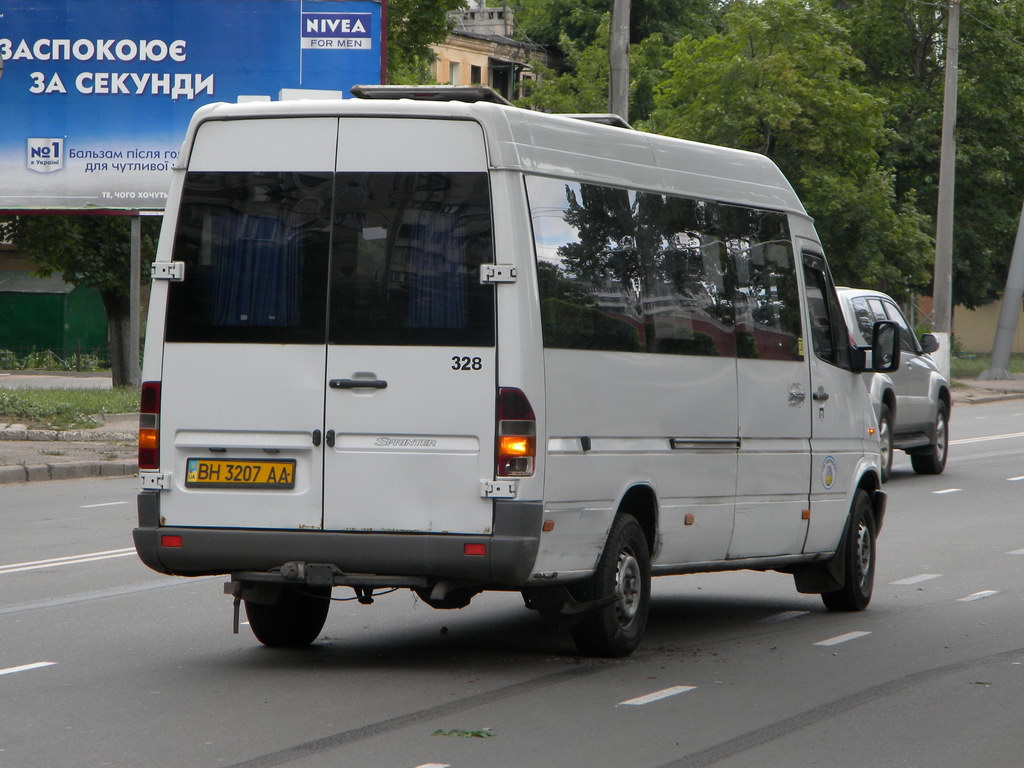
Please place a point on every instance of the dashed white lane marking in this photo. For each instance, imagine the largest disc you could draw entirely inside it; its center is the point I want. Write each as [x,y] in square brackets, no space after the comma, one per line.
[1014,479]
[966,440]
[1016,552]
[783,616]
[104,504]
[434,765]
[34,565]
[27,667]
[843,638]
[947,490]
[979,595]
[665,693]
[916,579]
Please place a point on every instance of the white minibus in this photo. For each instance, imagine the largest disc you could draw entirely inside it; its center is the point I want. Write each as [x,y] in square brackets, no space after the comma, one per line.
[454,346]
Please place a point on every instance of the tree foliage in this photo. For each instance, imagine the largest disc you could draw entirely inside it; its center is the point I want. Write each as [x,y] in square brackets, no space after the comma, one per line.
[413,26]
[779,80]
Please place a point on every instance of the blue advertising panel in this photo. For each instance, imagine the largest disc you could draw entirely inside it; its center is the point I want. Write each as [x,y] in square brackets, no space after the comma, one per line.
[95,95]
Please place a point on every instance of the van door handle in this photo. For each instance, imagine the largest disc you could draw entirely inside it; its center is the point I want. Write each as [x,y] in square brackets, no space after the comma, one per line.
[329,438]
[358,383]
[316,438]
[821,395]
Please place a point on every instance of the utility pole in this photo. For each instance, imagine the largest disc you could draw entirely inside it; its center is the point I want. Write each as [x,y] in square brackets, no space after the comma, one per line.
[1009,311]
[942,293]
[618,56]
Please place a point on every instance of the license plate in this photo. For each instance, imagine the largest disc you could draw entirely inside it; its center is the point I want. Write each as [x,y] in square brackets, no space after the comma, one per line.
[240,473]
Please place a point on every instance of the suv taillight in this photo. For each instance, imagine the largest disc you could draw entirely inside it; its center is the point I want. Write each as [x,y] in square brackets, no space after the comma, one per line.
[149,426]
[517,434]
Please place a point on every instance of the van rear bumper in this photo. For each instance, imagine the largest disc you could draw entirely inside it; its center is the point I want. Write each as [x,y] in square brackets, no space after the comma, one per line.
[510,551]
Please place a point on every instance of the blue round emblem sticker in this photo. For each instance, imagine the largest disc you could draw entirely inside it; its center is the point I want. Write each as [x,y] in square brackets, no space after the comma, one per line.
[828,473]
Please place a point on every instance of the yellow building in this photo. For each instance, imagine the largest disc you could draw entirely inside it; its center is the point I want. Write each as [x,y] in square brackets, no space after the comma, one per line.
[481,51]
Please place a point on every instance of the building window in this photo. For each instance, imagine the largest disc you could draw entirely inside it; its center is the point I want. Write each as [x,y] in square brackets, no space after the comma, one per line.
[455,73]
[475,74]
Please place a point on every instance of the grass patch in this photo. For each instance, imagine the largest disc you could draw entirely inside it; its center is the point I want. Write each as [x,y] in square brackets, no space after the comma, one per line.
[65,408]
[973,365]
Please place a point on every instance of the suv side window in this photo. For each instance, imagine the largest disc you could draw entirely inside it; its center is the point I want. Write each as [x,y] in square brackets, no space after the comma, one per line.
[908,341]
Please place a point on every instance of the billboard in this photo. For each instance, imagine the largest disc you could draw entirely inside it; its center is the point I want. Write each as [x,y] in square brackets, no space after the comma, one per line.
[95,95]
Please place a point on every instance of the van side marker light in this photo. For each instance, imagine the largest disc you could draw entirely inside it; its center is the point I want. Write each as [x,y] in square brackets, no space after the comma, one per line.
[689,520]
[549,526]
[805,514]
[171,541]
[474,550]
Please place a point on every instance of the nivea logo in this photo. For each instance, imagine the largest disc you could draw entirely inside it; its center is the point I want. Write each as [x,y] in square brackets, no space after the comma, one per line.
[336,30]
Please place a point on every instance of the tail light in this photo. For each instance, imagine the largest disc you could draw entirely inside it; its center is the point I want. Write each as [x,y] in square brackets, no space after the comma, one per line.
[149,426]
[517,434]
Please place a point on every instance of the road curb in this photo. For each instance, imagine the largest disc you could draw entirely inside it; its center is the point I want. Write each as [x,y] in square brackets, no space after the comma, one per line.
[70,470]
[66,436]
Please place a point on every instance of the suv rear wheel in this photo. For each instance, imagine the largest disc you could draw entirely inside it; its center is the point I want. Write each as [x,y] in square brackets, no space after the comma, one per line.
[932,460]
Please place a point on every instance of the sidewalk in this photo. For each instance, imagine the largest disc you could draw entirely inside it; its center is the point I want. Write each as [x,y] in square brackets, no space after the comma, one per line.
[110,450]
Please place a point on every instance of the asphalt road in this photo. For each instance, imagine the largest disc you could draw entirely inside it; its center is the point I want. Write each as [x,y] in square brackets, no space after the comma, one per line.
[104,663]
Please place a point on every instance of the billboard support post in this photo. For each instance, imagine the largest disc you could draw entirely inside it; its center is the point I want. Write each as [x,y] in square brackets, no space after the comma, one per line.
[134,368]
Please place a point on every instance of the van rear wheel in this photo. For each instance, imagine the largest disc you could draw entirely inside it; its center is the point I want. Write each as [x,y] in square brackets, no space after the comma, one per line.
[623,577]
[293,621]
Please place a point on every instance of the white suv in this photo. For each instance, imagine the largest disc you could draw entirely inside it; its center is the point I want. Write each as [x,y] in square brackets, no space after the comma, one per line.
[912,404]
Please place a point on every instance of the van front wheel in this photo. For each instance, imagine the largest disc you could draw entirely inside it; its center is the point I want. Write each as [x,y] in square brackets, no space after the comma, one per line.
[293,621]
[623,581]
[859,565]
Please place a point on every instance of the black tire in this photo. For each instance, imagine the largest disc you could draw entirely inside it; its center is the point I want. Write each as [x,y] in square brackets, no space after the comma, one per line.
[294,621]
[624,571]
[859,566]
[885,440]
[932,460]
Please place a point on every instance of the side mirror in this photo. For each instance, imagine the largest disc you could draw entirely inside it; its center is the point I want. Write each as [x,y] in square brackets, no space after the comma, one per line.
[929,343]
[885,347]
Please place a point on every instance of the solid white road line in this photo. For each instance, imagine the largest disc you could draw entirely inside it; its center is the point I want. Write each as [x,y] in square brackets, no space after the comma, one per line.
[27,667]
[35,565]
[966,440]
[1014,479]
[916,579]
[843,638]
[665,693]
[105,504]
[947,490]
[978,596]
[1016,552]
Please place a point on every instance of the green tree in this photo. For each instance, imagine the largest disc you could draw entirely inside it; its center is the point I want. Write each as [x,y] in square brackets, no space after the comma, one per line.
[778,79]
[413,26]
[94,251]
[902,43]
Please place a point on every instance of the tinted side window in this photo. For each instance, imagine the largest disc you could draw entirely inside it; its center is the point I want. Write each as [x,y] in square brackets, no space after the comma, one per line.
[255,248]
[588,269]
[828,332]
[405,261]
[767,295]
[689,285]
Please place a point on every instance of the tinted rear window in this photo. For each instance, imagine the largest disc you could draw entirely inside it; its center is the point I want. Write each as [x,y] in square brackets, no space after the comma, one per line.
[348,258]
[406,260]
[255,247]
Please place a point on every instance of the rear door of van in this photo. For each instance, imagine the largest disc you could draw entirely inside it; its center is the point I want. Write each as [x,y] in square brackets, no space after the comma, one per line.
[243,385]
[411,363]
